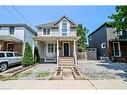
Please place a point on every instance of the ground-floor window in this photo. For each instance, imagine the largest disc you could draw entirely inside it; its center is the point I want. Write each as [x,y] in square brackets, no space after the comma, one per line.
[116,49]
[52,48]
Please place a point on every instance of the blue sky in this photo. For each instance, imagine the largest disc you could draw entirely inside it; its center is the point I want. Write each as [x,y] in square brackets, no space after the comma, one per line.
[90,16]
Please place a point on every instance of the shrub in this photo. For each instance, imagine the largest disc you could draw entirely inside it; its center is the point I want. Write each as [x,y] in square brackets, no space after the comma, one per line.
[27,57]
[36,55]
[79,49]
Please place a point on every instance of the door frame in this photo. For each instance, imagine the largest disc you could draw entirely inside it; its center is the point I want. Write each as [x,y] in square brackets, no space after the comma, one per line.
[8,45]
[63,47]
[118,49]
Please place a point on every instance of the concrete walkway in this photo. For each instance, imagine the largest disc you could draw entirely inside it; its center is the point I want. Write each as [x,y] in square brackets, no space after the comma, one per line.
[63,84]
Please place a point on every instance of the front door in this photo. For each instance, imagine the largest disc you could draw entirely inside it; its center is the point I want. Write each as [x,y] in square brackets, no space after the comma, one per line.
[66,49]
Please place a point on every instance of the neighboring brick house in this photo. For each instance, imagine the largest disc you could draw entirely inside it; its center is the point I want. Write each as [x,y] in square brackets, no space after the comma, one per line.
[14,36]
[109,43]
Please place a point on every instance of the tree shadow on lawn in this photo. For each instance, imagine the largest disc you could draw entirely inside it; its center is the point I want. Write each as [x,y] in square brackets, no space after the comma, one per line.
[115,66]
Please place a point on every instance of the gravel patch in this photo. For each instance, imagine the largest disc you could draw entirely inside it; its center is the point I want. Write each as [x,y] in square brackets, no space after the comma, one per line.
[38,72]
[96,70]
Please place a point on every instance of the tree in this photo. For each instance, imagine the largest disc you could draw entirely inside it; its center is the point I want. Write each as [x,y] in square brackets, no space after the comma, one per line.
[81,31]
[27,57]
[119,19]
[36,55]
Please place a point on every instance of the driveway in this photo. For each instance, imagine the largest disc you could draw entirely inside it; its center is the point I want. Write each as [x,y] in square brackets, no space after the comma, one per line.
[96,70]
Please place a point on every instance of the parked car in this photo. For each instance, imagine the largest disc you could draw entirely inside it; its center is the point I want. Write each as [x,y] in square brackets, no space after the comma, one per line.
[8,58]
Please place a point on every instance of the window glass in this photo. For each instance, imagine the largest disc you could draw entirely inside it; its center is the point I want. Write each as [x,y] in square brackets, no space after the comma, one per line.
[50,48]
[17,54]
[46,31]
[64,27]
[2,55]
[103,45]
[9,54]
[55,47]
[12,30]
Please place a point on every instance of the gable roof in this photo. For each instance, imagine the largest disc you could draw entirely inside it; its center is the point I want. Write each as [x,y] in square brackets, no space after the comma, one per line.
[50,24]
[19,25]
[104,24]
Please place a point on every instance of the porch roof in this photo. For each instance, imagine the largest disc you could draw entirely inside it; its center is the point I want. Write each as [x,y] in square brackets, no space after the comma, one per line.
[60,38]
[9,38]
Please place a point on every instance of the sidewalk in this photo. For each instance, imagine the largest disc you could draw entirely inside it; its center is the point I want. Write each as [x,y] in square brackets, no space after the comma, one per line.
[63,84]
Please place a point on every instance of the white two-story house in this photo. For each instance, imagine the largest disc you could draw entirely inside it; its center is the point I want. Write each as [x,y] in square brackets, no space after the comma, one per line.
[14,36]
[56,41]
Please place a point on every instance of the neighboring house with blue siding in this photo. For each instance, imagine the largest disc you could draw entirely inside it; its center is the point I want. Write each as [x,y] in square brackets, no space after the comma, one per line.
[14,36]
[109,43]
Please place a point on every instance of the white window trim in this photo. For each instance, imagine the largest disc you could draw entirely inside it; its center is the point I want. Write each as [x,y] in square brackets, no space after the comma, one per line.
[118,49]
[53,48]
[120,33]
[102,45]
[68,28]
[46,33]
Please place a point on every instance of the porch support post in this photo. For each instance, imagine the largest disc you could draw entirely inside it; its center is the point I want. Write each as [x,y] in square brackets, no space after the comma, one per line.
[33,46]
[74,53]
[57,53]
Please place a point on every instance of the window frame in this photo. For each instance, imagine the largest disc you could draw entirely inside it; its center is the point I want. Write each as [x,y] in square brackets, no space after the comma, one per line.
[102,45]
[10,53]
[50,48]
[17,53]
[64,23]
[3,56]
[12,29]
[46,31]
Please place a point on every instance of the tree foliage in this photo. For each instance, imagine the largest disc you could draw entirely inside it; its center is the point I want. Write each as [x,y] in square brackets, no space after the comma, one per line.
[36,55]
[119,19]
[81,31]
[27,57]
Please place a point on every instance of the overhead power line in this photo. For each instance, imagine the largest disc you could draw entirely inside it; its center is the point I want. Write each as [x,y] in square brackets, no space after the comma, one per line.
[22,16]
[10,13]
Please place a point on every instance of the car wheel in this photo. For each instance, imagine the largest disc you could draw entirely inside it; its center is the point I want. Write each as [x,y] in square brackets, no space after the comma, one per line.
[3,66]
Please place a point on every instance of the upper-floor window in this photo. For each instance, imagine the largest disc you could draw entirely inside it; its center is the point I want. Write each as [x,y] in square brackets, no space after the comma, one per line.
[46,31]
[12,30]
[119,33]
[64,27]
[103,45]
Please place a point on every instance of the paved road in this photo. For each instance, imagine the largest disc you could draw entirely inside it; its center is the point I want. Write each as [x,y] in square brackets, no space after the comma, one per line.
[63,84]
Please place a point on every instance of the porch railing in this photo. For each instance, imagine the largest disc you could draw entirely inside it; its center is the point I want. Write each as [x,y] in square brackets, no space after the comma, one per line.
[75,59]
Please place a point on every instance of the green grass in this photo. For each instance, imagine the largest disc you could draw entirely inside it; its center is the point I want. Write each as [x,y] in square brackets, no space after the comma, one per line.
[42,74]
[5,78]
[26,74]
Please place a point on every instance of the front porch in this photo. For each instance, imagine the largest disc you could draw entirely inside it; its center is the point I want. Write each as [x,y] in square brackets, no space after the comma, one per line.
[9,43]
[118,50]
[53,49]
